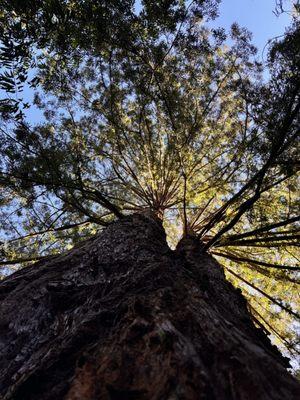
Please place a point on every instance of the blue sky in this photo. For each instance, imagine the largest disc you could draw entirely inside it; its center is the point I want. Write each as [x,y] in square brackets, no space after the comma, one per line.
[256,15]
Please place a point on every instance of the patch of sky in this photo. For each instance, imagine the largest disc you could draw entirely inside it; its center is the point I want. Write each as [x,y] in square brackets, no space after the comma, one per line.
[258,17]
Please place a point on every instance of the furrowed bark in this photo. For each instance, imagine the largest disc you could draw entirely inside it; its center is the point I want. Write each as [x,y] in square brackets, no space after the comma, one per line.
[124,317]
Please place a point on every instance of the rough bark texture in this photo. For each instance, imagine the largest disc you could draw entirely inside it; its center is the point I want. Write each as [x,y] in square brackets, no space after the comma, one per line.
[124,317]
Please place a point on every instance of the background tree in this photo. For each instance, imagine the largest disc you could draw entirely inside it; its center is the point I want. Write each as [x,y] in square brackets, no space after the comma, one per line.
[66,27]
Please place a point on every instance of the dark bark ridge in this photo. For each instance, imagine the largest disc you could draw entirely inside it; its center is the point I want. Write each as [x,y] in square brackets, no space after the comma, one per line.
[124,317]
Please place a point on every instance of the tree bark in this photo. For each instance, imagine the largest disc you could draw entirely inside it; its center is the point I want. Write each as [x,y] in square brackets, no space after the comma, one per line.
[124,317]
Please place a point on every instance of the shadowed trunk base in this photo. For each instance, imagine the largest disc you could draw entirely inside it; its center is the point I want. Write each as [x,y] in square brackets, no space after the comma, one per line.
[124,317]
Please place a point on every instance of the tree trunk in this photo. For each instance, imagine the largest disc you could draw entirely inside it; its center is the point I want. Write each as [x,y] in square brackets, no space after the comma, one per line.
[124,317]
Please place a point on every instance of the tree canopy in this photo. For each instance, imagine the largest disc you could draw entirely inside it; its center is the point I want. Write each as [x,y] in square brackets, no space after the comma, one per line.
[149,108]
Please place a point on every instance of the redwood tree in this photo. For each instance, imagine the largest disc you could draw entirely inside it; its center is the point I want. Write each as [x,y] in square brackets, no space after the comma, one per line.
[124,317]
[150,118]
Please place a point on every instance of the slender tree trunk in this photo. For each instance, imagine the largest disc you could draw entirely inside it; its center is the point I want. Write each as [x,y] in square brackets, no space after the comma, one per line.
[124,317]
